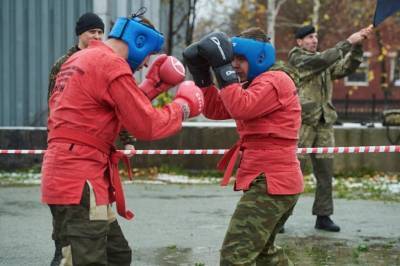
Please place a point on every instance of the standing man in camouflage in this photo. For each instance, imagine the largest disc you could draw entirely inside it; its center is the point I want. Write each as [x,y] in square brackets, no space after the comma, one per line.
[88,27]
[317,71]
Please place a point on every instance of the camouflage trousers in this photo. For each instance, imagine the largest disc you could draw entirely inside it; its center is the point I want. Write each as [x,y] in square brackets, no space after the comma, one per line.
[253,227]
[320,135]
[89,234]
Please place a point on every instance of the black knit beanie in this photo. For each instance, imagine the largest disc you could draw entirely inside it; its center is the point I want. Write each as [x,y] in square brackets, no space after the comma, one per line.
[88,21]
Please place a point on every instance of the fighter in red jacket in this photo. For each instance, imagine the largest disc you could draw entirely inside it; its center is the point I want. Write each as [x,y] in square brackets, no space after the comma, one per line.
[94,96]
[264,103]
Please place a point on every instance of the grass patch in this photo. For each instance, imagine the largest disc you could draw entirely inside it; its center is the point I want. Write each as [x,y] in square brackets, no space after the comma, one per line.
[19,178]
[151,173]
[316,251]
[190,173]
[368,186]
[365,184]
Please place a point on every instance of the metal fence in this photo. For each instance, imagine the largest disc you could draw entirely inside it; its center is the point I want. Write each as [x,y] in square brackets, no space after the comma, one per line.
[364,111]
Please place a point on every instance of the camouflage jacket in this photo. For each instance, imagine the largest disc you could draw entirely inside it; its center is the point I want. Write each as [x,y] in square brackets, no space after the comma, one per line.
[56,68]
[124,136]
[288,69]
[317,71]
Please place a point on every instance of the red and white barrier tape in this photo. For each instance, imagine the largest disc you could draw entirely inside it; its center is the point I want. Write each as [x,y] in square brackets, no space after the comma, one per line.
[360,149]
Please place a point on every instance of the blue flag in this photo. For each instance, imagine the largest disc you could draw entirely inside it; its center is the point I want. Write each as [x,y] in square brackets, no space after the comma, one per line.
[384,9]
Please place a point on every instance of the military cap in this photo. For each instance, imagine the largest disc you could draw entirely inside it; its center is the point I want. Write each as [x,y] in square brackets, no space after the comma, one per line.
[304,31]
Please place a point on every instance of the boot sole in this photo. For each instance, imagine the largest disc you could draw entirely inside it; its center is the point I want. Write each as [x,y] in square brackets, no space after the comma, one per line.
[328,230]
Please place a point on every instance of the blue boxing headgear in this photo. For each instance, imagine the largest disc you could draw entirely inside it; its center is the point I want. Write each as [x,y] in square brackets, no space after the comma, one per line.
[260,55]
[141,39]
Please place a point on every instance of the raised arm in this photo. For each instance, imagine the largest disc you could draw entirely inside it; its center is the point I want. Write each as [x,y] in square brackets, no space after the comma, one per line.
[310,64]
[348,64]
[213,106]
[137,114]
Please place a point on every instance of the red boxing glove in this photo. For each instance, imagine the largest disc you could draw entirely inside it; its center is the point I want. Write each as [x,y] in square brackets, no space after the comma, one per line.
[190,98]
[164,73]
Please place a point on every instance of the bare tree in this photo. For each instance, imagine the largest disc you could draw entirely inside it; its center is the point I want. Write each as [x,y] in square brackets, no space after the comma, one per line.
[272,12]
[171,15]
[190,22]
[186,20]
[315,16]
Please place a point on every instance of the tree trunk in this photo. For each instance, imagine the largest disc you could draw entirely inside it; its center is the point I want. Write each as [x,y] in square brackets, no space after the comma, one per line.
[315,18]
[272,11]
[190,22]
[384,74]
[271,15]
[170,27]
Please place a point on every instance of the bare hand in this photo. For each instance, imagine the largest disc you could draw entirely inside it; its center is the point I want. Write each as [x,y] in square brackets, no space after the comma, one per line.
[131,148]
[355,38]
[360,35]
[367,32]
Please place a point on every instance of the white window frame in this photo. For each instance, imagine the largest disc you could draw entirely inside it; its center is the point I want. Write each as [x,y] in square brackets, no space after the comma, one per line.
[365,63]
[394,57]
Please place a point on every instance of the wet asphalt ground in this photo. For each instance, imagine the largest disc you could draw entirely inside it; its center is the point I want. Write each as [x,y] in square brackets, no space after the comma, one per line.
[180,224]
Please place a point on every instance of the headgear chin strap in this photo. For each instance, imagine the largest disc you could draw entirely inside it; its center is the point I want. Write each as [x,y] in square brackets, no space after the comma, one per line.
[141,39]
[259,55]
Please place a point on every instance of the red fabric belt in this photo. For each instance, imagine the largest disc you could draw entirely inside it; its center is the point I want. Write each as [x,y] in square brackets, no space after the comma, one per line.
[227,162]
[67,135]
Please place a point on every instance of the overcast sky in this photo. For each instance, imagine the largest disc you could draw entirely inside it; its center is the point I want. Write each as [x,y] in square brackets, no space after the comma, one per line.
[217,9]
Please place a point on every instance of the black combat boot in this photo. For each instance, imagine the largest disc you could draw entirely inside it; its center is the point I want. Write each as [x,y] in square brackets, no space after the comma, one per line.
[325,223]
[57,254]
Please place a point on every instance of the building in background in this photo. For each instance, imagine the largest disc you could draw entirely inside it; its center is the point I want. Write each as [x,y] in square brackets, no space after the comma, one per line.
[375,86]
[36,33]
[360,97]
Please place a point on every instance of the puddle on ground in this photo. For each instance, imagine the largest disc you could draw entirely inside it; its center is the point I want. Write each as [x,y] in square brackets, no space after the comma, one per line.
[17,208]
[185,197]
[4,212]
[307,251]
[215,213]
[166,256]
[22,204]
